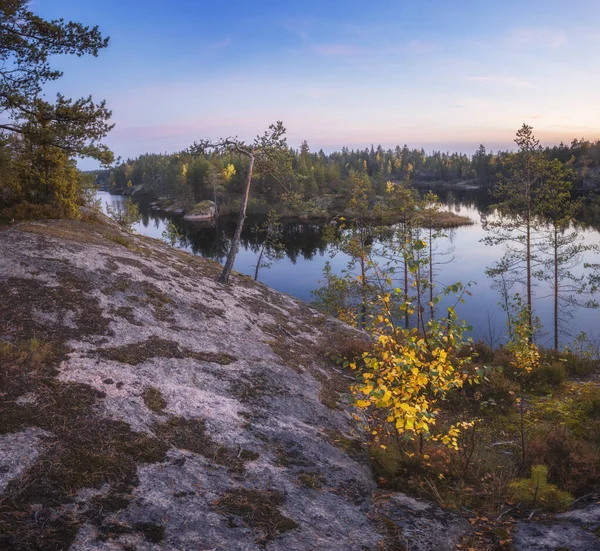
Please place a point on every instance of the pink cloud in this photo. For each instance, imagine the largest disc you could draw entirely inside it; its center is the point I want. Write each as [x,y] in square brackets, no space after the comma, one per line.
[502,79]
[547,38]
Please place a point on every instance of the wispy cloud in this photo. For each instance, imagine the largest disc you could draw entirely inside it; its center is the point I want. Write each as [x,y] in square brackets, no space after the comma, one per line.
[219,45]
[543,37]
[375,49]
[506,80]
[335,50]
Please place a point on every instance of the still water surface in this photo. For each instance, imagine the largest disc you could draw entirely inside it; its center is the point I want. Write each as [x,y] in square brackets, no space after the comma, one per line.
[306,254]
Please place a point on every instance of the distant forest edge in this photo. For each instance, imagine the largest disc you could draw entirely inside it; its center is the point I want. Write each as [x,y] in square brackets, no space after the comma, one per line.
[315,184]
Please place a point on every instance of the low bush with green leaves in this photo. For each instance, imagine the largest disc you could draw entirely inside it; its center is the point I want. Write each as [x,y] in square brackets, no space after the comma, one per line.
[125,214]
[537,493]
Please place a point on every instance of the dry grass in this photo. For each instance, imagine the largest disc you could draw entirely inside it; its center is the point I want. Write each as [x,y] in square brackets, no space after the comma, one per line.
[393,539]
[137,353]
[444,219]
[191,434]
[257,509]
[310,480]
[119,240]
[84,451]
[153,399]
[22,296]
[155,347]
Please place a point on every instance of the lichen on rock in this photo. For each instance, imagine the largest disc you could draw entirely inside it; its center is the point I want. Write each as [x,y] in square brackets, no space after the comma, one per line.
[166,411]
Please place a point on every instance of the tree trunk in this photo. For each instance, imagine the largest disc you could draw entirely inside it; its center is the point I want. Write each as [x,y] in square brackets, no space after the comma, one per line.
[363,310]
[262,250]
[420,308]
[224,278]
[406,315]
[529,298]
[523,440]
[555,289]
[431,307]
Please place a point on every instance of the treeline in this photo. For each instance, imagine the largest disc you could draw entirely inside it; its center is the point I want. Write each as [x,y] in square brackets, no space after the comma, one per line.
[310,174]
[533,220]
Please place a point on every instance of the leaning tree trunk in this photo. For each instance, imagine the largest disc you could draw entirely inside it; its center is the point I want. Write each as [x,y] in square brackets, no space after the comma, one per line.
[224,278]
[259,262]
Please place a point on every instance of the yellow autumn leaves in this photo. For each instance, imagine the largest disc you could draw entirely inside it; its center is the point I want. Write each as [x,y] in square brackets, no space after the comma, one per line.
[408,372]
[526,357]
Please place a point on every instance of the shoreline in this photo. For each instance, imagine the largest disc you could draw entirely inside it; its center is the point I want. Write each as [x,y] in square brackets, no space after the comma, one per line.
[444,219]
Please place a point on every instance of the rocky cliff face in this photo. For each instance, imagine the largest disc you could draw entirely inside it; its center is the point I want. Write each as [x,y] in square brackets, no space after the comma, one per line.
[145,406]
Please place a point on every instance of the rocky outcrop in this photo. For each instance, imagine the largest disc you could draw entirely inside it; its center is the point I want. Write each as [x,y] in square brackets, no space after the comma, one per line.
[140,189]
[145,406]
[576,530]
[205,210]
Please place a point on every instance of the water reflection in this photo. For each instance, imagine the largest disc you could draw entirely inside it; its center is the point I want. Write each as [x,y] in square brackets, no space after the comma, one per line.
[306,254]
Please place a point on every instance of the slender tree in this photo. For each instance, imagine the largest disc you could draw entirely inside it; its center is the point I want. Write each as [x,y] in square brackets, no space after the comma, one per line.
[563,244]
[272,248]
[431,207]
[355,239]
[402,209]
[503,281]
[517,227]
[269,153]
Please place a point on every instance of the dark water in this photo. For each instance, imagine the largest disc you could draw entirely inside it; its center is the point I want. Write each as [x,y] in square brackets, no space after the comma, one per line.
[306,254]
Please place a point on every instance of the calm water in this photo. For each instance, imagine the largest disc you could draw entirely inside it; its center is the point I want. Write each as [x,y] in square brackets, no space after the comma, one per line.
[306,254]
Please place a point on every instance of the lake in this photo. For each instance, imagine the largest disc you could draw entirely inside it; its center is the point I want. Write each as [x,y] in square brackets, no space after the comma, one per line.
[306,254]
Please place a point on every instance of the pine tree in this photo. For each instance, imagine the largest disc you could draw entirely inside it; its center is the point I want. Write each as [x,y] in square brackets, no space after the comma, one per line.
[27,43]
[563,244]
[43,137]
[517,227]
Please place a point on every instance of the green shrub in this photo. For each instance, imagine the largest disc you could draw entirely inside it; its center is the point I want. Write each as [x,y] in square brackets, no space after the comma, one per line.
[31,211]
[579,365]
[387,463]
[504,359]
[591,405]
[126,214]
[500,390]
[482,353]
[171,234]
[120,240]
[551,374]
[537,493]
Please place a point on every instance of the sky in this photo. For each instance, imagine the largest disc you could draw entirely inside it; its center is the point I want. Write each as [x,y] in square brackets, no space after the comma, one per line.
[436,74]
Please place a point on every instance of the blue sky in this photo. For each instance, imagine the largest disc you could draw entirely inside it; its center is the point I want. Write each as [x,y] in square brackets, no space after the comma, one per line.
[436,74]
